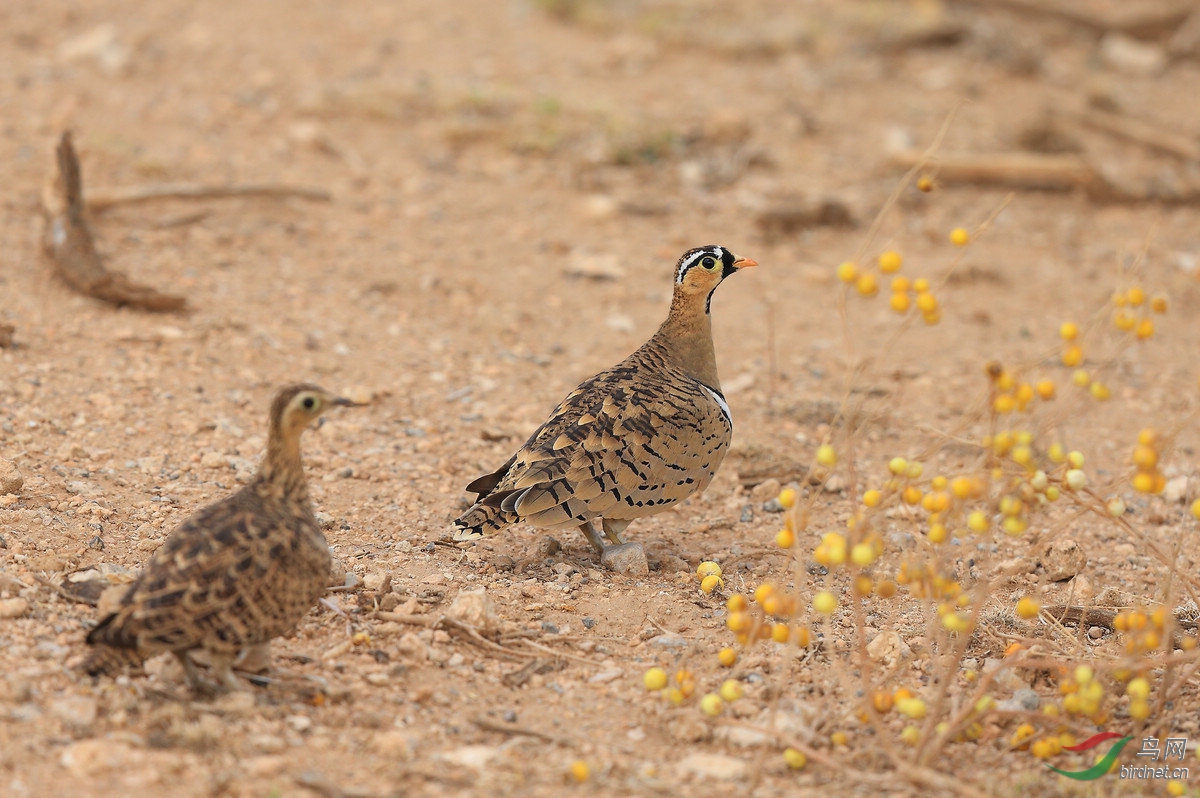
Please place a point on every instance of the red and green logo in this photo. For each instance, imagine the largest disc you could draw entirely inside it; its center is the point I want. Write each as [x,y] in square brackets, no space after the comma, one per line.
[1100,768]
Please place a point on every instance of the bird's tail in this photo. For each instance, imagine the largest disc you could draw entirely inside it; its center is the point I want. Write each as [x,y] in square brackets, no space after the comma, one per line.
[105,660]
[484,518]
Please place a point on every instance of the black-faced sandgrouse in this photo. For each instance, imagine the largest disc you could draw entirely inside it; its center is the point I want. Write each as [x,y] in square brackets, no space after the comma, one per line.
[234,575]
[629,442]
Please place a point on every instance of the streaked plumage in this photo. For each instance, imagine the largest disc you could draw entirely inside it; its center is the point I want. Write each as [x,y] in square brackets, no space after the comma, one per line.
[237,573]
[632,440]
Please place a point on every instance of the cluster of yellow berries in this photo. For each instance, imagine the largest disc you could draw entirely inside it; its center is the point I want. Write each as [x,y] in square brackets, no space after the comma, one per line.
[1083,694]
[1144,631]
[747,625]
[1132,312]
[1072,357]
[1009,395]
[1148,478]
[709,574]
[905,292]
[684,687]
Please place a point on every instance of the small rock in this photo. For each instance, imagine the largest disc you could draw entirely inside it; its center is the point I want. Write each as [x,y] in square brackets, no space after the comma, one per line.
[888,648]
[669,641]
[214,460]
[373,581]
[10,478]
[1062,560]
[588,623]
[13,607]
[396,745]
[1175,492]
[764,491]
[628,559]
[1023,699]
[78,712]
[549,627]
[606,676]
[1079,590]
[713,766]
[475,608]
[1096,632]
[742,737]
[472,756]
[548,547]
[337,573]
[411,646]
[1132,57]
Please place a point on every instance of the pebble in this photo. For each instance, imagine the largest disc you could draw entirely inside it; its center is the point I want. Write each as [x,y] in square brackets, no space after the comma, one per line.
[668,641]
[1062,560]
[604,677]
[588,623]
[1096,632]
[472,756]
[713,766]
[1132,57]
[888,648]
[627,558]
[1175,492]
[214,460]
[78,712]
[13,607]
[10,478]
[476,608]
[765,491]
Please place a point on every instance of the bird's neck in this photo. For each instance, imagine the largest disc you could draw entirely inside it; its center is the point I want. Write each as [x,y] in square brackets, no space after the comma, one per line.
[686,339]
[282,473]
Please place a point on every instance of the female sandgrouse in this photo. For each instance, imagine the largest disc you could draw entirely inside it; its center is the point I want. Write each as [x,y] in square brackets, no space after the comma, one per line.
[234,575]
[632,440]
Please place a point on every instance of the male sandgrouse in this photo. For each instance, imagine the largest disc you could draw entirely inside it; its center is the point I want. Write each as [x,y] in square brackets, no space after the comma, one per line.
[234,575]
[632,440]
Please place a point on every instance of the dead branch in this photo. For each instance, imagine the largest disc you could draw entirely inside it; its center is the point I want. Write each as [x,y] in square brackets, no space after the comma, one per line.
[1150,136]
[504,728]
[1017,169]
[1136,19]
[69,243]
[101,201]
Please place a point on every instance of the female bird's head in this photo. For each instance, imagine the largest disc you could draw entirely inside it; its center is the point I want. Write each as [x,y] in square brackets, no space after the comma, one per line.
[702,269]
[297,406]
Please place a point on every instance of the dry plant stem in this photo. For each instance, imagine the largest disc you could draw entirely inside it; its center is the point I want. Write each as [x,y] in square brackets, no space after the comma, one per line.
[69,243]
[1017,169]
[1138,132]
[415,620]
[101,201]
[504,728]
[1130,19]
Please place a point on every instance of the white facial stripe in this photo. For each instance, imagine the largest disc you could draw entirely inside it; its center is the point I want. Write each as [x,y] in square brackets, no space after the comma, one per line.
[719,252]
[720,400]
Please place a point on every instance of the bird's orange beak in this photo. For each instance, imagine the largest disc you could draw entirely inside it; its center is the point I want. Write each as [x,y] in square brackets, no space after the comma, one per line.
[744,263]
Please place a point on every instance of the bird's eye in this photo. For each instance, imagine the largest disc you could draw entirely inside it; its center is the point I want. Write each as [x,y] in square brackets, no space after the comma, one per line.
[708,261]
[309,403]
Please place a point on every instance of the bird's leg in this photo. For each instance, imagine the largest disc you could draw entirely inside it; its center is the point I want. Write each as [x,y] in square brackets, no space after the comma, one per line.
[222,668]
[588,528]
[613,530]
[200,684]
[255,659]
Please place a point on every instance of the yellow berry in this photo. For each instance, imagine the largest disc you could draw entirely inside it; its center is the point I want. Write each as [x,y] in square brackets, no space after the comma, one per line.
[871,498]
[787,498]
[1075,459]
[1081,378]
[867,284]
[824,602]
[826,455]
[898,465]
[1072,356]
[1115,506]
[1004,404]
[764,592]
[727,657]
[674,695]
[1159,304]
[1052,493]
[959,237]
[1176,787]
[900,303]
[1084,674]
[711,704]
[739,622]
[1022,455]
[890,262]
[1145,329]
[1028,607]
[978,522]
[886,589]
[710,583]
[1076,479]
[794,759]
[913,708]
[862,554]
[847,272]
[785,539]
[1069,331]
[937,533]
[1138,688]
[921,285]
[708,568]
[580,771]
[1139,709]
[961,487]
[910,735]
[926,302]
[838,738]
[900,285]
[1100,391]
[1196,509]
[737,603]
[911,495]
[1045,389]
[1014,525]
[655,679]
[731,689]
[1135,296]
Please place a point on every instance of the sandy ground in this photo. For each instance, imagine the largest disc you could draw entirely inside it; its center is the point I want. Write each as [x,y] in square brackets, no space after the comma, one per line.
[511,185]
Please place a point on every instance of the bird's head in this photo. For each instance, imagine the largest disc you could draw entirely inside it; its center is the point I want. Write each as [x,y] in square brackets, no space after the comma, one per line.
[702,269]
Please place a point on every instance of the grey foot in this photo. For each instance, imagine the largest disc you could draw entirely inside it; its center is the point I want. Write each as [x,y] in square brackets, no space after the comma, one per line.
[224,680]
[627,558]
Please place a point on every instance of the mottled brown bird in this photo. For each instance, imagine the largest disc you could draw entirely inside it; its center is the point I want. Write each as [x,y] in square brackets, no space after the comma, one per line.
[632,440]
[234,575]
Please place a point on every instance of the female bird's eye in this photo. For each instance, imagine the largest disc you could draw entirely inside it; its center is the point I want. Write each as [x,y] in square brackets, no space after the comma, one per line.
[708,261]
[309,402]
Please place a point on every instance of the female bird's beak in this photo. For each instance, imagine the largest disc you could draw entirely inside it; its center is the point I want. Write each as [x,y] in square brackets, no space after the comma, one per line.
[338,400]
[744,263]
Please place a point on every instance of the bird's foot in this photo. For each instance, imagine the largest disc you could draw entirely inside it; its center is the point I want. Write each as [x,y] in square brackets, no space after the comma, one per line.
[626,558]
[254,659]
